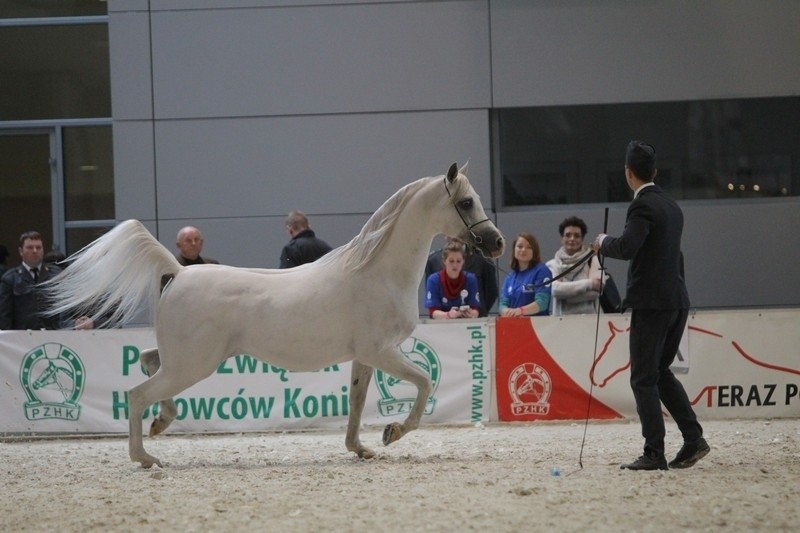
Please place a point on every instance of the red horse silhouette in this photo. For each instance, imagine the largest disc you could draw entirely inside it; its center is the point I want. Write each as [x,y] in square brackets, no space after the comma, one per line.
[615,356]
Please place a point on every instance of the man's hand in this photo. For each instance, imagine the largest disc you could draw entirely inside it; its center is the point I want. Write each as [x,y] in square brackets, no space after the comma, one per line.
[598,242]
[84,322]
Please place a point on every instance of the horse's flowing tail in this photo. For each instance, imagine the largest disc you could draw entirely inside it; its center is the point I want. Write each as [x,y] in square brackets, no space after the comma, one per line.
[110,278]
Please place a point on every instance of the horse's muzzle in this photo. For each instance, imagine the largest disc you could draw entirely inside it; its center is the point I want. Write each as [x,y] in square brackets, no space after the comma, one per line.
[490,246]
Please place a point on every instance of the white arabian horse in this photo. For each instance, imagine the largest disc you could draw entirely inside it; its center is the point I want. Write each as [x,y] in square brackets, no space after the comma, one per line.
[358,302]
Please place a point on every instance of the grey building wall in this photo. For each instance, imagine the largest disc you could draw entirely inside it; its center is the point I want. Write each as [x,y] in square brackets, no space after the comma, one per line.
[227,114]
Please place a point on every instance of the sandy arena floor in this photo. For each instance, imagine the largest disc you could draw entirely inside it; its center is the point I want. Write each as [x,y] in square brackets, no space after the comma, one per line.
[496,478]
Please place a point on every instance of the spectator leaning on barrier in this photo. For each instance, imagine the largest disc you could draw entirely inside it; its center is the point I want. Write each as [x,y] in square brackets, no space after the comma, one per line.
[452,292]
[526,289]
[579,291]
[483,269]
[304,246]
[21,301]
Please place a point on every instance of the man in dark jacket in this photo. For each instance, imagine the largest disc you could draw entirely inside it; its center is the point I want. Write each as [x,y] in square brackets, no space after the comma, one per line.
[21,301]
[483,269]
[190,244]
[304,246]
[657,295]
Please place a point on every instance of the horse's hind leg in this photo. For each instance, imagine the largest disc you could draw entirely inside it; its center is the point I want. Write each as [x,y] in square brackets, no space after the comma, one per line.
[395,363]
[166,383]
[167,408]
[359,382]
[137,400]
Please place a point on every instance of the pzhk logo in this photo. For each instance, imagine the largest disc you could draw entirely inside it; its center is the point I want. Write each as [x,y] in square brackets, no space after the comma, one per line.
[53,377]
[398,396]
[530,387]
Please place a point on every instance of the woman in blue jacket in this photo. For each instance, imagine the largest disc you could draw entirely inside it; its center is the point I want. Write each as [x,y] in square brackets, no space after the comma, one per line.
[452,292]
[526,290]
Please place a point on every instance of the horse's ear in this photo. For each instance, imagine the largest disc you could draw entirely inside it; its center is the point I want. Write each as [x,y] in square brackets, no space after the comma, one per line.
[452,172]
[463,170]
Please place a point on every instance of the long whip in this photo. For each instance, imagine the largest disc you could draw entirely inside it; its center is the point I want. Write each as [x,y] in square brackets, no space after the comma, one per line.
[596,336]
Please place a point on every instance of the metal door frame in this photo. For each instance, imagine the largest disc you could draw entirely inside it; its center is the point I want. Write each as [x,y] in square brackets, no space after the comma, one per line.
[56,166]
[54,129]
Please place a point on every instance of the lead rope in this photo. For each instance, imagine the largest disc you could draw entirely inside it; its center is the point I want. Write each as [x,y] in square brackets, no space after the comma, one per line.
[547,282]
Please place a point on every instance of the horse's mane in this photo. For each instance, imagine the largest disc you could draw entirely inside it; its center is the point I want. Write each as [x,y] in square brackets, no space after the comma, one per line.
[359,252]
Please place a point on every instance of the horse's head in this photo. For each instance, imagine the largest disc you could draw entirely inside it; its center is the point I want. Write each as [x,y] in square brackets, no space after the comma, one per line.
[468,216]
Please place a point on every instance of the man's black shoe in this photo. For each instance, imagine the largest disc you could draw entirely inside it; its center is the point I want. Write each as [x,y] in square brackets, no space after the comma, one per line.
[690,453]
[646,462]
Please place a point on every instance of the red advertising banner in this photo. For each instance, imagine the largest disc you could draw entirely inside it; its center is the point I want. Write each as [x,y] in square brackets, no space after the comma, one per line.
[531,385]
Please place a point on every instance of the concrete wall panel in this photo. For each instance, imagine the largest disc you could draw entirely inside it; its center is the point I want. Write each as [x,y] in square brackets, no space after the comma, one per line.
[319,164]
[321,59]
[134,184]
[578,52]
[129,51]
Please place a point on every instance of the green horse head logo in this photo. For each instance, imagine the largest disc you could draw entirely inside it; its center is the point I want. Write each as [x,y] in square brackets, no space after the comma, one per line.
[53,378]
[398,396]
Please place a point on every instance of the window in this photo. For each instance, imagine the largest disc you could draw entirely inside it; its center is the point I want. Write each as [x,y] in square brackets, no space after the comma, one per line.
[709,149]
[54,71]
[13,9]
[56,157]
[88,184]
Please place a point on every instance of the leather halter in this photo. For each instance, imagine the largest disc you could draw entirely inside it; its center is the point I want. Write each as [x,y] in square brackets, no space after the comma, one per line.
[475,237]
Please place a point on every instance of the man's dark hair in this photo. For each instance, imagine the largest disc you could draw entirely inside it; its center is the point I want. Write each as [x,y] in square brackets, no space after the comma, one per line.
[640,158]
[55,257]
[29,235]
[573,221]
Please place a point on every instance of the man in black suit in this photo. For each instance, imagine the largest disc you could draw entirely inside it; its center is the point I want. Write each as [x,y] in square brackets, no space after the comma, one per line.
[657,295]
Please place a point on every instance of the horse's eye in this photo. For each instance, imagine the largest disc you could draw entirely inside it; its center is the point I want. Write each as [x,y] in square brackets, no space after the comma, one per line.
[466,203]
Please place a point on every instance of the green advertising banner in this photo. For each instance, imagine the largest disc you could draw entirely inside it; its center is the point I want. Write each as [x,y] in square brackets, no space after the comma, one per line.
[77,382]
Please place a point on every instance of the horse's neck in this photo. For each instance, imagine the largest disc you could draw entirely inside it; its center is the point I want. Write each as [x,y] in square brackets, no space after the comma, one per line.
[410,241]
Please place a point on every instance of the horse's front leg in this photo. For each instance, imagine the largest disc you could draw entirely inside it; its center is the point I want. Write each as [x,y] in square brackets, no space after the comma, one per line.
[360,377]
[395,363]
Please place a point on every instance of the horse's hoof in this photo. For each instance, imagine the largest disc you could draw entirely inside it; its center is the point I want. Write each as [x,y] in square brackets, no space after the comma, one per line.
[148,461]
[391,433]
[366,453]
[157,427]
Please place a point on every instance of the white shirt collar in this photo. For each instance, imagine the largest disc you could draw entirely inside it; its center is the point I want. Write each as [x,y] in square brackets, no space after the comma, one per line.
[637,191]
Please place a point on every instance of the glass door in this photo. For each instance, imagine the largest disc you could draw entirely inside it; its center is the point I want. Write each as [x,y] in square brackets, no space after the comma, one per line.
[27,176]
[88,177]
[56,160]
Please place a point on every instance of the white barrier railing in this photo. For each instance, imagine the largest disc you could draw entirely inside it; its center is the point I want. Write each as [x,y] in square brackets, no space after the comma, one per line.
[737,364]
